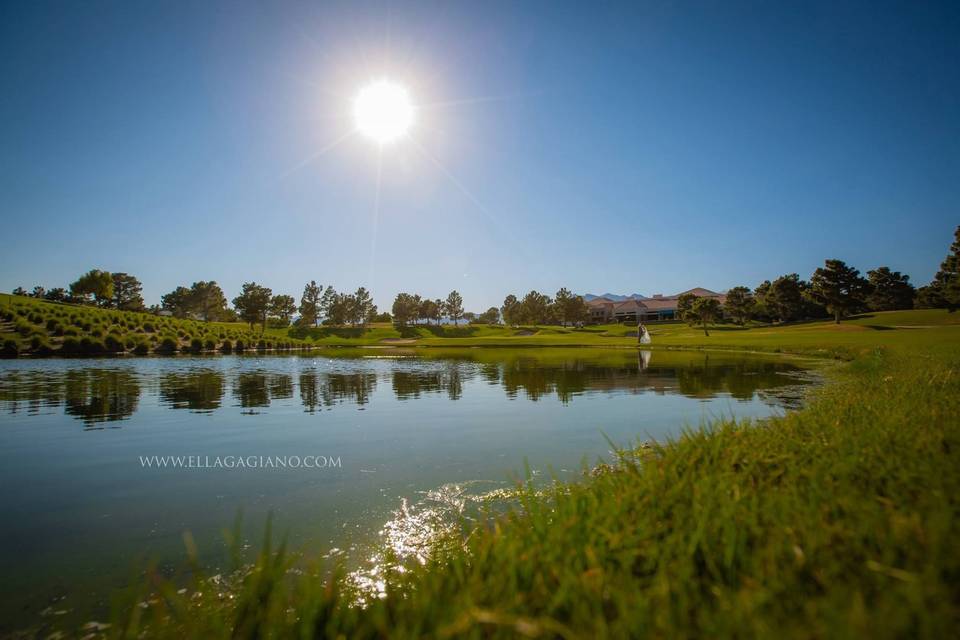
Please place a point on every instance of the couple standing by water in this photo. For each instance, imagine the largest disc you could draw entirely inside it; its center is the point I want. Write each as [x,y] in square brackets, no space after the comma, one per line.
[643,336]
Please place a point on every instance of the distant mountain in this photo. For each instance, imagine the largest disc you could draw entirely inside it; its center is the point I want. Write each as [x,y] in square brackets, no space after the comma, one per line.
[615,297]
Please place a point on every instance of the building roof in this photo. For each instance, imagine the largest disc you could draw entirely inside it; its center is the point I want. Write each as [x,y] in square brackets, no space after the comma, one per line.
[699,292]
[599,302]
[659,304]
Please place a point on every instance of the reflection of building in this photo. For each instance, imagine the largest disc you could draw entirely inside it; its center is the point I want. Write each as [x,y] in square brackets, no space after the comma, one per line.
[659,307]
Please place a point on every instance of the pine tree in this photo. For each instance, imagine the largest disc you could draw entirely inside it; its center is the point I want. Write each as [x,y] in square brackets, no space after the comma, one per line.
[839,288]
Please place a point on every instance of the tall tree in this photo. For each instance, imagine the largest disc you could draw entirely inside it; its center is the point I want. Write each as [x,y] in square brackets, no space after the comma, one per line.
[282,307]
[177,302]
[570,308]
[740,304]
[564,300]
[889,290]
[340,309]
[252,304]
[127,292]
[327,300]
[490,316]
[438,308]
[704,311]
[310,303]
[406,307]
[207,300]
[684,306]
[784,298]
[454,306]
[839,288]
[428,310]
[38,292]
[761,301]
[510,310]
[578,311]
[362,306]
[57,294]
[95,283]
[944,291]
[535,308]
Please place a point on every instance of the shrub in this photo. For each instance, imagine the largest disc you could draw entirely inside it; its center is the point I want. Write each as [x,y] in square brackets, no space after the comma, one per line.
[262,345]
[210,344]
[52,325]
[23,327]
[92,346]
[196,345]
[10,348]
[71,345]
[167,345]
[141,348]
[241,345]
[41,347]
[112,343]
[149,327]
[226,347]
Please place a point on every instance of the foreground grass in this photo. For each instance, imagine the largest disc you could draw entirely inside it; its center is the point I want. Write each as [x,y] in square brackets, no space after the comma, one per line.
[840,520]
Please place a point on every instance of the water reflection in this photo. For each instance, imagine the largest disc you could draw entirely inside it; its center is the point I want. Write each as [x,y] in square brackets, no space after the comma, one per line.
[95,394]
[200,391]
[100,395]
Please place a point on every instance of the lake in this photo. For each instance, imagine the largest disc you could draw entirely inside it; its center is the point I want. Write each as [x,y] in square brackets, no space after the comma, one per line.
[347,448]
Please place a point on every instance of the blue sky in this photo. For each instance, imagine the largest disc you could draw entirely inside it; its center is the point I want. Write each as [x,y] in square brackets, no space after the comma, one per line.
[635,147]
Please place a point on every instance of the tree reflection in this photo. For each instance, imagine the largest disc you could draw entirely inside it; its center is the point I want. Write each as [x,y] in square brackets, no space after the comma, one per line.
[97,394]
[250,389]
[200,391]
[410,383]
[351,386]
[100,395]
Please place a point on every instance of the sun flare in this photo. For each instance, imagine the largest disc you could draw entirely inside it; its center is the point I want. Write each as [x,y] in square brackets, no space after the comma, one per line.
[383,112]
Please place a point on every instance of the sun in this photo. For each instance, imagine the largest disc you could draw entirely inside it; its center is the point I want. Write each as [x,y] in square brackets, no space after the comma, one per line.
[383,112]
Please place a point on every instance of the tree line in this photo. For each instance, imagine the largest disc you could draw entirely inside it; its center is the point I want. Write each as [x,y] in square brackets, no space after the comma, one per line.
[536,308]
[836,290]
[411,308]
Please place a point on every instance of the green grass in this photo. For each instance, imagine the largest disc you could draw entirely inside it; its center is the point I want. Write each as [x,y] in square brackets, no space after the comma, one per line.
[22,319]
[839,520]
[39,328]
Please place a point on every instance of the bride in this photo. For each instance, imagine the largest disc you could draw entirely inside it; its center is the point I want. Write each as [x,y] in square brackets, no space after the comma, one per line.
[643,336]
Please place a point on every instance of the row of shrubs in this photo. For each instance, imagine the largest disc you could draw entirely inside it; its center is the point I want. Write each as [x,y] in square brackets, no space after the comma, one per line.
[87,346]
[52,329]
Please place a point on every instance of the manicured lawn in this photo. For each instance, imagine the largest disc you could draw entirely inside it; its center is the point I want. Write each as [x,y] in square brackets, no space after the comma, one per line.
[42,328]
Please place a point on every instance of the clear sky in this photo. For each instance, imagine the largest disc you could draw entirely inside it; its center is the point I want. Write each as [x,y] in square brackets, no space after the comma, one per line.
[638,147]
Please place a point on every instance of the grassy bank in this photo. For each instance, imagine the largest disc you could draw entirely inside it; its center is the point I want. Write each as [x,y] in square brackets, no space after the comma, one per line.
[38,328]
[32,327]
[839,520]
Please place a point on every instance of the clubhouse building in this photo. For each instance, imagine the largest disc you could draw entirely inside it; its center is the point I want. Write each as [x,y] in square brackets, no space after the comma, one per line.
[659,307]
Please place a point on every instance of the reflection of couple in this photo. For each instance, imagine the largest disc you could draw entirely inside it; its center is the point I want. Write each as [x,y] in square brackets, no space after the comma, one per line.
[643,336]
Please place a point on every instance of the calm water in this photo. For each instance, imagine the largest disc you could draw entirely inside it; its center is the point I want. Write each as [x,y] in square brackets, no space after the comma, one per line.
[411,434]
